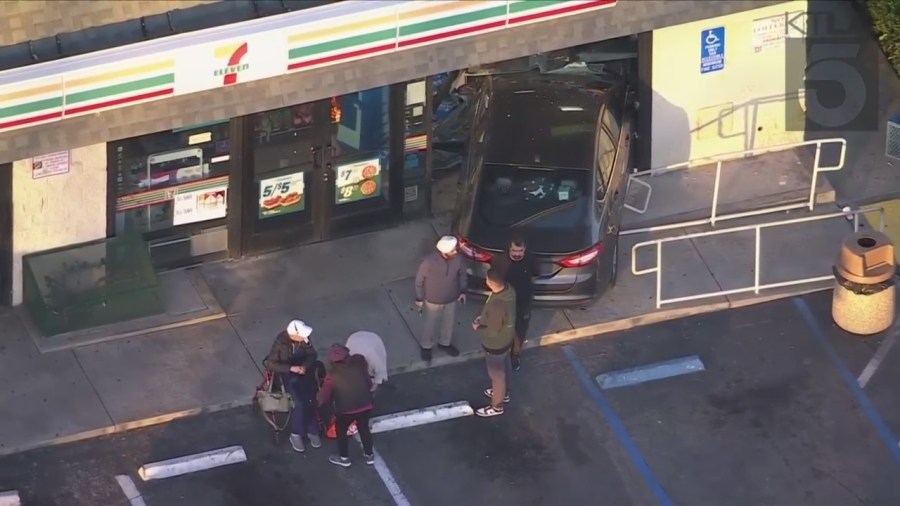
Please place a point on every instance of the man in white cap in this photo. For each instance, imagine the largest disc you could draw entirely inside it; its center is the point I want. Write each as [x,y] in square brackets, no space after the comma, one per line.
[440,285]
[293,358]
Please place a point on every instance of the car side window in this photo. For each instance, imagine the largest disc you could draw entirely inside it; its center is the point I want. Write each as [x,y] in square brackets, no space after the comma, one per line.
[476,148]
[606,155]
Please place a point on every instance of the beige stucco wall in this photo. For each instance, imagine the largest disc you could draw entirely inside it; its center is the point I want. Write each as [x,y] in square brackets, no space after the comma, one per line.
[58,210]
[737,108]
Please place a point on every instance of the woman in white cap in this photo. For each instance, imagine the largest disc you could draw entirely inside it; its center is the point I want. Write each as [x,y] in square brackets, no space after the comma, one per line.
[440,284]
[371,347]
[293,358]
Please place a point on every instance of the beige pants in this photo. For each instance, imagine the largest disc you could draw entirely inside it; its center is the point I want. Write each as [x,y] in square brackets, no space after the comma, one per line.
[439,322]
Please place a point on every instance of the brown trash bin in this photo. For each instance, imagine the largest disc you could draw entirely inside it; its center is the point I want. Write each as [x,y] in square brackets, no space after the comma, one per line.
[864,296]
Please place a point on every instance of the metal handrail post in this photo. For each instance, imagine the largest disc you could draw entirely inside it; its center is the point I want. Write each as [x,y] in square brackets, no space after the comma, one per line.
[815,176]
[715,202]
[756,261]
[658,275]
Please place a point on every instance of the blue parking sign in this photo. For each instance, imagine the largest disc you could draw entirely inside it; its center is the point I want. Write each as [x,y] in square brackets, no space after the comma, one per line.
[712,50]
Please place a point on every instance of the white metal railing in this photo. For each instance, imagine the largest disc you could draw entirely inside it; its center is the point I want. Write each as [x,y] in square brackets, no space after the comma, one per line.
[714,215]
[658,269]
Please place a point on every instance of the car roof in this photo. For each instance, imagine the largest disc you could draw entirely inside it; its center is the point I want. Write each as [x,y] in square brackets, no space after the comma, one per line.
[544,121]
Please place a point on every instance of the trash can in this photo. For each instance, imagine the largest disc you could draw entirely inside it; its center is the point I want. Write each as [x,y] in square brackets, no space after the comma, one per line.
[864,298]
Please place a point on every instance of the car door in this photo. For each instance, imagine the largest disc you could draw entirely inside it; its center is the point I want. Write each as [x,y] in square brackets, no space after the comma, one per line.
[620,135]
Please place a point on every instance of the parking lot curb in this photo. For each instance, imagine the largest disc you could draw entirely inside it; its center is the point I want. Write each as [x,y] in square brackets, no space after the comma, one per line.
[551,339]
[421,416]
[10,498]
[192,463]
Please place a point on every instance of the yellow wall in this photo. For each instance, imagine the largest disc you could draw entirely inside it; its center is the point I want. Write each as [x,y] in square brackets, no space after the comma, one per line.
[737,108]
[59,210]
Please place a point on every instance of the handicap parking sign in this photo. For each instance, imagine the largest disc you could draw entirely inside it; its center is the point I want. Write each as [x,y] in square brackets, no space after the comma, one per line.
[712,50]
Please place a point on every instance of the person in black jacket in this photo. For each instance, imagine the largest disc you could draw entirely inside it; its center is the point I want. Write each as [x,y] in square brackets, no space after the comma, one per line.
[293,359]
[349,387]
[519,268]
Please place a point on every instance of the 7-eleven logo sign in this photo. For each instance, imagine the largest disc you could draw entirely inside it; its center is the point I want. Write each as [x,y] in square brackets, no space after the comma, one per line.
[233,54]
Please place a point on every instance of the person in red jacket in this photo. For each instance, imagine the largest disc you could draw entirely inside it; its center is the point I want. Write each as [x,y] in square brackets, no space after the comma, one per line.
[349,387]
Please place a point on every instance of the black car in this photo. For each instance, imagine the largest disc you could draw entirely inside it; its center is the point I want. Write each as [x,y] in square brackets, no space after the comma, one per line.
[547,160]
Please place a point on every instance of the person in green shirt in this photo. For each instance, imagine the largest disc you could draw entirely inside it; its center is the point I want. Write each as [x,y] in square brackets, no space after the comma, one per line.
[496,328]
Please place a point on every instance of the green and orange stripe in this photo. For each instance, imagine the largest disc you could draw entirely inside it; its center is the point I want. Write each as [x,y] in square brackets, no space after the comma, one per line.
[119,87]
[40,102]
[161,195]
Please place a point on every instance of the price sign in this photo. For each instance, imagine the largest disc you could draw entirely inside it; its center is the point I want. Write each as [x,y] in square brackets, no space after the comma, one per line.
[358,181]
[281,195]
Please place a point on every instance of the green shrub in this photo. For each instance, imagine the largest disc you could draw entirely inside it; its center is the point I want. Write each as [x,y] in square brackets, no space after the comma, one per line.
[886,22]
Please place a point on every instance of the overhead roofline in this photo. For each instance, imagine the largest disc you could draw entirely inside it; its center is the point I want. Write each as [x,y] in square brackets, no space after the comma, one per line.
[175,42]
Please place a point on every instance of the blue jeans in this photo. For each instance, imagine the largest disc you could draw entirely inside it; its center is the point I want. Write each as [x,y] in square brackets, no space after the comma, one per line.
[303,419]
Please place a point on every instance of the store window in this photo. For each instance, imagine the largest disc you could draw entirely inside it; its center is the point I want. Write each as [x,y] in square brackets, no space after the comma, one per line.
[361,132]
[169,179]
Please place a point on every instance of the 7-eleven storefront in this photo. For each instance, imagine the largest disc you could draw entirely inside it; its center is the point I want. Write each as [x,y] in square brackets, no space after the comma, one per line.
[317,124]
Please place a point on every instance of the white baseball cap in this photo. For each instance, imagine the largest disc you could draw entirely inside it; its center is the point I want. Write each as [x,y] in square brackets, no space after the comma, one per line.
[446,244]
[300,329]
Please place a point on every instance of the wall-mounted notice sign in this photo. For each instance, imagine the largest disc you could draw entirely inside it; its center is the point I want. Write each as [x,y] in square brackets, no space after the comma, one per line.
[50,165]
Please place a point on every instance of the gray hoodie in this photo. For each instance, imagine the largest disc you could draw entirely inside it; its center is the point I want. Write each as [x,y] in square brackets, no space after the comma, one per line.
[439,280]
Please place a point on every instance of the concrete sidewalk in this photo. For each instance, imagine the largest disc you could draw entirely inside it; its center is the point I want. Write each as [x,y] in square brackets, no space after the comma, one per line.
[362,282]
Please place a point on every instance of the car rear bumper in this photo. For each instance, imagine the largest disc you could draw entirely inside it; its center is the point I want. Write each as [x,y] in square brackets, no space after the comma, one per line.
[584,289]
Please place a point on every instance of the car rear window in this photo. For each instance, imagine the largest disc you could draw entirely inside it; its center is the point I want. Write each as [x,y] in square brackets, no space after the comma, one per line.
[509,194]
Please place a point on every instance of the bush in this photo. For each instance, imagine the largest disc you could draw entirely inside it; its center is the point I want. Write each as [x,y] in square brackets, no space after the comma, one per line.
[886,23]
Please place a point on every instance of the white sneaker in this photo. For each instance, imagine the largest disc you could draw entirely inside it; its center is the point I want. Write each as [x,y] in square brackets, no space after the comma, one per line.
[488,411]
[489,393]
[315,441]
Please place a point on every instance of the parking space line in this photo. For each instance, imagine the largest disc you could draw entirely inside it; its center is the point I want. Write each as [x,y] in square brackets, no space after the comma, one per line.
[650,372]
[387,477]
[819,334]
[879,355]
[130,490]
[617,426]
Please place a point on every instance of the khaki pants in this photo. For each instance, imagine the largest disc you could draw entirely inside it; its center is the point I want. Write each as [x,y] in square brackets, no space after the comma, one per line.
[498,369]
[439,322]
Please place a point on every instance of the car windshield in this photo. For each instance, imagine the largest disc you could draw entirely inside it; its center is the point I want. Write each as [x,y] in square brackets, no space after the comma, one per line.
[511,194]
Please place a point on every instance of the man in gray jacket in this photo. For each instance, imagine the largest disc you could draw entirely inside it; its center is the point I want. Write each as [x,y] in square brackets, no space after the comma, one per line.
[440,284]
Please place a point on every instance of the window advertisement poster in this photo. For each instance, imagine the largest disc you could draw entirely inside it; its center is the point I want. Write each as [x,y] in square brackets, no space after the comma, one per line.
[192,204]
[281,195]
[358,181]
[53,164]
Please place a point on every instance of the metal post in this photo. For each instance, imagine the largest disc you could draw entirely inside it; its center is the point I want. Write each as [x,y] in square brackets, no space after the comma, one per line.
[715,202]
[815,176]
[756,262]
[658,274]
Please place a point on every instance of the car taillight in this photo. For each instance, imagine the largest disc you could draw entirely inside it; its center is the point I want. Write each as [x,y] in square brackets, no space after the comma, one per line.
[473,253]
[583,258]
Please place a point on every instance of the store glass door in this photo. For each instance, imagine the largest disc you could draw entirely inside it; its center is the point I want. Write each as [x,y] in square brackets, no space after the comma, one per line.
[320,170]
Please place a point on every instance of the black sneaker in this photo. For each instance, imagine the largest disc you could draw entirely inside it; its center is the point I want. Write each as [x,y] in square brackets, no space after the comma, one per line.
[370,458]
[426,354]
[449,350]
[516,364]
[339,461]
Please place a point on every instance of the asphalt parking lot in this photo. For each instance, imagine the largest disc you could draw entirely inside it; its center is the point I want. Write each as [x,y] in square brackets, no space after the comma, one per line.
[775,418]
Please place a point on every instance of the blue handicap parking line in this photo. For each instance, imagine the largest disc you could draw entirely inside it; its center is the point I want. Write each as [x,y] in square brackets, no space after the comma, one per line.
[650,372]
[617,426]
[819,334]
